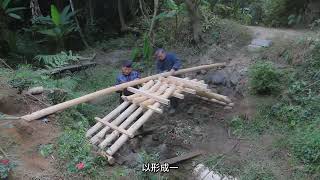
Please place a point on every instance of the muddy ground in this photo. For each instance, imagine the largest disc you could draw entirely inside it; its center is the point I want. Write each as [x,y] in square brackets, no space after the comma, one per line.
[197,124]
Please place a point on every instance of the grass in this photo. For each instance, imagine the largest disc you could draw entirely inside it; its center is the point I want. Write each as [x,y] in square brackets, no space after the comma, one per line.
[295,115]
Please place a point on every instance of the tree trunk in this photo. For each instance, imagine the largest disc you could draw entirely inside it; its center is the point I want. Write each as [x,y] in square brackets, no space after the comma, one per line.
[156,4]
[124,27]
[91,12]
[78,26]
[195,20]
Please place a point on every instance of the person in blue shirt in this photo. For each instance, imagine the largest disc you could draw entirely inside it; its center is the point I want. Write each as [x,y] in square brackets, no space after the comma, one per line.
[168,62]
[126,75]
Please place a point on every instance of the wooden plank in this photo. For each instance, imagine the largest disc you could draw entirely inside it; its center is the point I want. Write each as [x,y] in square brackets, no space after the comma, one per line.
[149,95]
[187,90]
[123,131]
[157,110]
[178,95]
[58,107]
[189,83]
[182,157]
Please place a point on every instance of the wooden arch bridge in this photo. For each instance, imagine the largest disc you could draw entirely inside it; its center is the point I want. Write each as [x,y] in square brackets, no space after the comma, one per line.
[112,131]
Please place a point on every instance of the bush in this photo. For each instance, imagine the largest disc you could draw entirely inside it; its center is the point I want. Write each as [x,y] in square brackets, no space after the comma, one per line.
[264,78]
[305,145]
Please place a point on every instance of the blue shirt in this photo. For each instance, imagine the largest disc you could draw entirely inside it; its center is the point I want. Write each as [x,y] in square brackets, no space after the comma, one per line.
[170,62]
[121,78]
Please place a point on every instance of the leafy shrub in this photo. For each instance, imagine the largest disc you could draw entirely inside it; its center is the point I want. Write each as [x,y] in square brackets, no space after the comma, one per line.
[289,113]
[305,144]
[74,148]
[264,78]
[57,60]
[46,150]
[5,167]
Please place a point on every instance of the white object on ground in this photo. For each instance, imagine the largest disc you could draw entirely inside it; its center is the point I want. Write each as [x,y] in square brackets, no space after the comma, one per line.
[201,172]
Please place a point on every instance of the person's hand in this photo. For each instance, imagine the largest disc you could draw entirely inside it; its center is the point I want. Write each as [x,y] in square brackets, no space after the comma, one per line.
[172,71]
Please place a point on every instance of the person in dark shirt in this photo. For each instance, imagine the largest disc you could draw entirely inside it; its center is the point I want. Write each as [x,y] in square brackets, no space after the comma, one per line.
[126,75]
[168,62]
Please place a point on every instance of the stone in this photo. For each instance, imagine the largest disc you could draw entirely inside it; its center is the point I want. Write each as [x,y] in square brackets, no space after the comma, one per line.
[261,42]
[217,78]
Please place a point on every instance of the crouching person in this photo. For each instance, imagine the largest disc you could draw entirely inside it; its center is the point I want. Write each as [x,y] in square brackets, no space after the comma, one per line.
[127,74]
[168,62]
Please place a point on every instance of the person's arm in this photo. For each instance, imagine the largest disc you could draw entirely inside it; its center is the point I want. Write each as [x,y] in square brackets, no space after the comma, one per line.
[177,63]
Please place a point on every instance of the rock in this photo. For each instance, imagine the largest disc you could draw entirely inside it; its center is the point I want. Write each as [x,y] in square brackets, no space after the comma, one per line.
[36,90]
[261,42]
[217,78]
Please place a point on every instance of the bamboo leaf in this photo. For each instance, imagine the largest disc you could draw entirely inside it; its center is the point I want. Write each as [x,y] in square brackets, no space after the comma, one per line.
[16,16]
[55,15]
[9,10]
[5,4]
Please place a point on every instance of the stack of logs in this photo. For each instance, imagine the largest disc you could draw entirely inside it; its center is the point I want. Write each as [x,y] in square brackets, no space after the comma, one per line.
[121,124]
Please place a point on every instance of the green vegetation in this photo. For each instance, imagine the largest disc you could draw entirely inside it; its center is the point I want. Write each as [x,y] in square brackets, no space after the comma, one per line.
[264,78]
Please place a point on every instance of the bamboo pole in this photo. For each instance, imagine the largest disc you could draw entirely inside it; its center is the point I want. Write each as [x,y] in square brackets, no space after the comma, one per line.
[116,122]
[126,123]
[152,88]
[211,95]
[58,107]
[123,131]
[149,95]
[151,101]
[157,92]
[111,115]
[123,138]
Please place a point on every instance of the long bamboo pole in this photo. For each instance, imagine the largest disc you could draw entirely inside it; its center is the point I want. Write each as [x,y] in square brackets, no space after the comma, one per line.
[89,97]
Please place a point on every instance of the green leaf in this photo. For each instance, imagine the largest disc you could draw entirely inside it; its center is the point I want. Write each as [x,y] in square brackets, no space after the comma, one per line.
[55,15]
[49,32]
[5,4]
[14,9]
[16,16]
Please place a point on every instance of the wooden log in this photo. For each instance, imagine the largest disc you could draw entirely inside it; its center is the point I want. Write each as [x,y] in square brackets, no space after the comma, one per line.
[152,90]
[211,95]
[187,90]
[148,86]
[96,138]
[103,92]
[149,95]
[151,101]
[123,131]
[157,110]
[123,138]
[182,157]
[71,68]
[178,95]
[109,138]
[111,115]
[188,83]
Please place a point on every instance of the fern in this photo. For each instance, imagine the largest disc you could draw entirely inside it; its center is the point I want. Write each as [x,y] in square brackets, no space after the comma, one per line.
[57,60]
